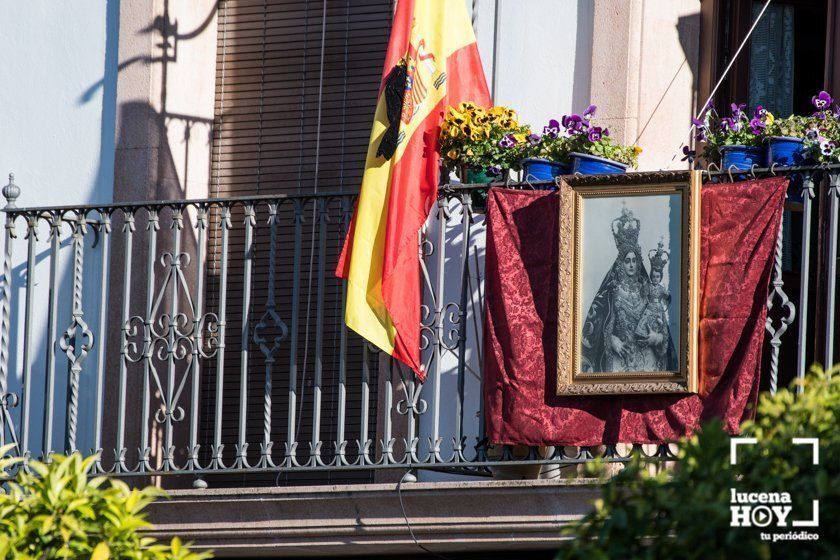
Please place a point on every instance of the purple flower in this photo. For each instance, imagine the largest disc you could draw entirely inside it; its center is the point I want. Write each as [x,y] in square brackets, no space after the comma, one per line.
[573,123]
[553,128]
[812,134]
[533,139]
[760,113]
[729,125]
[596,133]
[590,112]
[757,125]
[494,170]
[822,100]
[688,154]
[508,141]
[738,110]
[702,129]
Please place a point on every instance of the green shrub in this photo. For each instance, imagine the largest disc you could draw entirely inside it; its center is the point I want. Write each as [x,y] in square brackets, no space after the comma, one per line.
[685,513]
[56,511]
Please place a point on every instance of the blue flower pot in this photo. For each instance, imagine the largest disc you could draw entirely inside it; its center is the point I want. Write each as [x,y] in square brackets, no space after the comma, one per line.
[537,169]
[742,157]
[785,150]
[586,164]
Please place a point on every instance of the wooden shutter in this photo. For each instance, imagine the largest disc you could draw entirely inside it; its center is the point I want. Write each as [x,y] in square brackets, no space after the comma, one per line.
[296,90]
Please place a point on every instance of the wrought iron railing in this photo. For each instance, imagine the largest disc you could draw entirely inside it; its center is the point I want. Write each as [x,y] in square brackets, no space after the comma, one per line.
[206,336]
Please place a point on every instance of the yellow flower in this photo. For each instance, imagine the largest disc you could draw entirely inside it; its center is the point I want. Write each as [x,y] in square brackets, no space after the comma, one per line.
[480,116]
[469,152]
[466,106]
[520,137]
[453,153]
[454,132]
[637,150]
[456,117]
[770,119]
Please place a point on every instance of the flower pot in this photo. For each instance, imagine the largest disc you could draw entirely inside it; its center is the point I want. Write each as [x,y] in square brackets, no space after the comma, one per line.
[785,150]
[481,177]
[742,157]
[586,164]
[538,169]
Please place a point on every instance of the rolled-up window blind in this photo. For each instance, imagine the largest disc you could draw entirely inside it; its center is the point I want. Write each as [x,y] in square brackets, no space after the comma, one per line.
[296,89]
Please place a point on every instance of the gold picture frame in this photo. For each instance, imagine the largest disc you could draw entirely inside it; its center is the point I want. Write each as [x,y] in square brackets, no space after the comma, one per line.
[678,360]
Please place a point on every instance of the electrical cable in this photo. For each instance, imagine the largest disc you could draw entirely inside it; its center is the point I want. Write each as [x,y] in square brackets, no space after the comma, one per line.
[408,524]
[723,76]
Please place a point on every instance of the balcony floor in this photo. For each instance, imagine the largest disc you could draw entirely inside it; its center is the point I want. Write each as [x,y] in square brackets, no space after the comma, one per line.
[364,520]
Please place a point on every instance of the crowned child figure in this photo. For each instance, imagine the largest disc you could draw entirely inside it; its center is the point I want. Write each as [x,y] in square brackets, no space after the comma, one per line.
[653,325]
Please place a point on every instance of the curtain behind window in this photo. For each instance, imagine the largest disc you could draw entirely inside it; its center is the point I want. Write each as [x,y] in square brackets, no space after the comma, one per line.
[771,59]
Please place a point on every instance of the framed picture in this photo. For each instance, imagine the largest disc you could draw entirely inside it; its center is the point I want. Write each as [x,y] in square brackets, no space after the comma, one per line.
[628,275]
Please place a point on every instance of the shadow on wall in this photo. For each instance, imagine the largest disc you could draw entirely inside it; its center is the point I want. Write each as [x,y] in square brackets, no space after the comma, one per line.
[146,168]
[688,31]
[43,343]
[137,162]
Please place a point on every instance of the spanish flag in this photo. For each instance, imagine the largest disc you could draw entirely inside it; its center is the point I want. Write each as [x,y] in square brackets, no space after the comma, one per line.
[432,63]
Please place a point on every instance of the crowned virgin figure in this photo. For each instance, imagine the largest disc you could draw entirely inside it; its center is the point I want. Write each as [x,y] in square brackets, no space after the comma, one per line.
[623,331]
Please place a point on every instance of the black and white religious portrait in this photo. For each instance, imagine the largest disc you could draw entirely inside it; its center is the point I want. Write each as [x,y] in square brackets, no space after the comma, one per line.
[630,286]
[627,285]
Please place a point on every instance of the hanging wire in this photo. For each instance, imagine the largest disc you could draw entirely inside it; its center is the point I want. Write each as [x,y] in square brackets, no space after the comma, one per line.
[215,186]
[218,142]
[723,76]
[314,216]
[337,317]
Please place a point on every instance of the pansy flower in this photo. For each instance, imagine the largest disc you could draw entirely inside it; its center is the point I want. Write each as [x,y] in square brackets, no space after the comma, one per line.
[702,129]
[533,139]
[729,125]
[827,147]
[552,130]
[589,112]
[507,141]
[822,100]
[738,110]
[688,154]
[760,113]
[494,170]
[812,134]
[573,124]
[596,133]
[757,125]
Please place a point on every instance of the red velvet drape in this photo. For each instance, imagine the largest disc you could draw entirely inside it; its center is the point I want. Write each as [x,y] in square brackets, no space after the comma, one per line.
[740,224]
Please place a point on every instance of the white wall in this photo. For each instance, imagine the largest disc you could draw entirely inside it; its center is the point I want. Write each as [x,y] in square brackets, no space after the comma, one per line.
[57,114]
[56,119]
[536,54]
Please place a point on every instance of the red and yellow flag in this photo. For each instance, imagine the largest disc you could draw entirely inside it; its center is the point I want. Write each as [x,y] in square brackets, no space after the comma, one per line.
[432,63]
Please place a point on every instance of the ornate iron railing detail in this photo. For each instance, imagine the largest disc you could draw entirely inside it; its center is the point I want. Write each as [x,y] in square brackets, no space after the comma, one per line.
[205,336]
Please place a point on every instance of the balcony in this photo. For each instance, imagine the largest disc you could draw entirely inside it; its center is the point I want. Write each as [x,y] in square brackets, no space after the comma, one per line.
[201,342]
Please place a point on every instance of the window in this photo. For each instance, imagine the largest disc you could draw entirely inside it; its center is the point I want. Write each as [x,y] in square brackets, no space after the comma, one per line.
[296,89]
